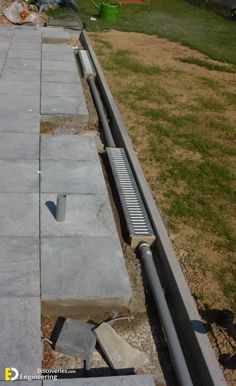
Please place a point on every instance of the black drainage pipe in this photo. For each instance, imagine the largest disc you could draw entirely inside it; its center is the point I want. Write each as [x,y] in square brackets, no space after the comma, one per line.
[175,349]
[103,119]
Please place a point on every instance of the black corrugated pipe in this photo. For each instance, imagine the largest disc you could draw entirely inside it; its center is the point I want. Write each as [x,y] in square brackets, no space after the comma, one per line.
[102,116]
[176,353]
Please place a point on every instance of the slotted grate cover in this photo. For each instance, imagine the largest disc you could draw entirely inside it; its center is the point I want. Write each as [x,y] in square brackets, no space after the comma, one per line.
[135,214]
[86,63]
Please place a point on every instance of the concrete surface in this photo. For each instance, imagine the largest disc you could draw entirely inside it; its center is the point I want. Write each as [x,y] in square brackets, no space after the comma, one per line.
[20,87]
[68,105]
[18,176]
[66,147]
[19,273]
[119,353]
[60,76]
[23,64]
[61,89]
[94,265]
[20,338]
[19,103]
[128,380]
[18,53]
[19,122]
[71,177]
[19,146]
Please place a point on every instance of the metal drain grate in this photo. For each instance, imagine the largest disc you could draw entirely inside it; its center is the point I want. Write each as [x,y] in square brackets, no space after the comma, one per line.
[135,214]
[86,63]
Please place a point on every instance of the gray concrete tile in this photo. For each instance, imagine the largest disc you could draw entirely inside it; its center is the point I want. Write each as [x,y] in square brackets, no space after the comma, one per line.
[65,90]
[20,103]
[24,54]
[26,46]
[56,48]
[71,177]
[74,258]
[58,65]
[86,215]
[76,147]
[60,76]
[18,122]
[19,215]
[54,33]
[24,383]
[19,176]
[59,54]
[127,380]
[22,64]
[19,273]
[26,75]
[19,146]
[64,105]
[19,87]
[20,340]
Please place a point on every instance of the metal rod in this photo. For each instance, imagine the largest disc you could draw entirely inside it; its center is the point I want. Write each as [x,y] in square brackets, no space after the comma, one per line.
[175,349]
[104,122]
[61,207]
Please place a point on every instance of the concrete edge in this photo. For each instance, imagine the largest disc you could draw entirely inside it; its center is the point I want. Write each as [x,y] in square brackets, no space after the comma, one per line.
[196,346]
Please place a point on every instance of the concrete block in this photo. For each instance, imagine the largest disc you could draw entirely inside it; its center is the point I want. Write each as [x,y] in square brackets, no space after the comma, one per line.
[64,105]
[19,215]
[24,54]
[60,76]
[19,274]
[65,147]
[54,34]
[26,46]
[65,90]
[86,215]
[65,54]
[20,338]
[22,64]
[19,146]
[119,353]
[56,48]
[23,104]
[26,75]
[71,177]
[18,122]
[17,176]
[59,65]
[127,380]
[84,271]
[20,87]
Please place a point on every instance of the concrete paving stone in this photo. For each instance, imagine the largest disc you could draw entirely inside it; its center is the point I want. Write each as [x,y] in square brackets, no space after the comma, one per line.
[19,87]
[84,269]
[23,64]
[18,176]
[71,177]
[22,74]
[76,147]
[24,383]
[26,46]
[119,353]
[19,146]
[86,215]
[19,259]
[24,54]
[20,103]
[59,65]
[17,122]
[60,76]
[19,215]
[69,90]
[127,380]
[59,54]
[55,33]
[57,48]
[64,105]
[20,338]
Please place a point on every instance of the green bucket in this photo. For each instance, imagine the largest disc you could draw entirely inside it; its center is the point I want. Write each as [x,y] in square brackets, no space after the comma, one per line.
[109,11]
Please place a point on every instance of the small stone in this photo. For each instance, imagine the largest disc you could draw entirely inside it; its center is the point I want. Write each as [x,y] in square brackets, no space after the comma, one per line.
[118,352]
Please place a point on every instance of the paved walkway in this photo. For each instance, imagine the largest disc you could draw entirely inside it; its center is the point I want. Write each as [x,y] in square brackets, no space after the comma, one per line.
[75,263]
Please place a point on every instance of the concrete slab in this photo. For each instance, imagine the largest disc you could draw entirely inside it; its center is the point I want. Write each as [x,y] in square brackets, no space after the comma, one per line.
[26,75]
[65,54]
[69,90]
[84,272]
[24,54]
[20,87]
[55,34]
[19,146]
[19,215]
[119,353]
[64,105]
[26,47]
[56,48]
[20,103]
[23,64]
[17,176]
[128,380]
[71,177]
[58,65]
[19,274]
[20,338]
[86,215]
[65,147]
[60,76]
[24,383]
[19,122]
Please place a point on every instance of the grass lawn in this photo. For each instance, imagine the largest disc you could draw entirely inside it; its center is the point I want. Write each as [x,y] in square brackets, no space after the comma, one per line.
[176,20]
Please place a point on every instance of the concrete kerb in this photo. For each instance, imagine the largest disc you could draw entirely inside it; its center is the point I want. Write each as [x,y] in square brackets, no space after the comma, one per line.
[195,343]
